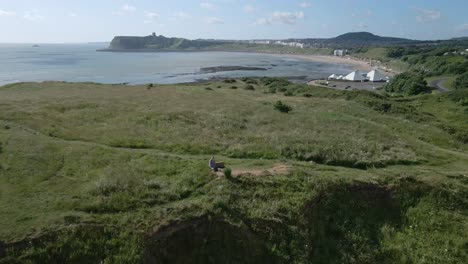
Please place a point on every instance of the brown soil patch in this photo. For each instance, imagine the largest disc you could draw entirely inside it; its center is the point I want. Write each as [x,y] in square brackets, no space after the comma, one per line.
[277,169]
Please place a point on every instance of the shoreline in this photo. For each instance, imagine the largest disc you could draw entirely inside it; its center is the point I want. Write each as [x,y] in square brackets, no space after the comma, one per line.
[346,60]
[359,65]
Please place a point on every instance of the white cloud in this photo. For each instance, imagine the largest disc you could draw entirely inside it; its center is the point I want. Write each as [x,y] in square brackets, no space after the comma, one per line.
[362,25]
[73,15]
[207,6]
[249,9]
[181,14]
[32,15]
[7,13]
[426,15]
[214,20]
[263,21]
[463,27]
[151,17]
[288,18]
[128,8]
[305,4]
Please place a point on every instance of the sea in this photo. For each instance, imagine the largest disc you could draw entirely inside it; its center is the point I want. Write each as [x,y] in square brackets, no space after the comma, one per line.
[83,63]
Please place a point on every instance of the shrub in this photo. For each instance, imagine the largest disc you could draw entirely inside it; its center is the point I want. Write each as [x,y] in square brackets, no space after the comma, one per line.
[283,108]
[228,173]
[250,81]
[407,84]
[233,87]
[307,95]
[249,87]
[152,184]
[149,86]
[208,89]
[288,93]
[462,81]
[229,81]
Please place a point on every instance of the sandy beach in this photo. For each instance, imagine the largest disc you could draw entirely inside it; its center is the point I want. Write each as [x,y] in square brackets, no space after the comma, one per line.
[357,64]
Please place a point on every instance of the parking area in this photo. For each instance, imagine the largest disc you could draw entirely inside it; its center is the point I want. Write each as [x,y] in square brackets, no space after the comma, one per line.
[348,85]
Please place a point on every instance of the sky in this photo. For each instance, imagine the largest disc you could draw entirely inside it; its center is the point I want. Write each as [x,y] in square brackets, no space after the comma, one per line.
[75,21]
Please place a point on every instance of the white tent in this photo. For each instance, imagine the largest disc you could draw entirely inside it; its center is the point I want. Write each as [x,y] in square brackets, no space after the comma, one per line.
[331,77]
[355,76]
[340,77]
[376,76]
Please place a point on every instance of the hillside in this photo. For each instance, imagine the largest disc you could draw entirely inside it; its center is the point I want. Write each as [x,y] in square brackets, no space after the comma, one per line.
[161,43]
[366,38]
[154,42]
[93,173]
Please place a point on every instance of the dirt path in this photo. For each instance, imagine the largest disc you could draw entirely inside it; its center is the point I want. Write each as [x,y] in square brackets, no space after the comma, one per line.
[439,84]
[277,169]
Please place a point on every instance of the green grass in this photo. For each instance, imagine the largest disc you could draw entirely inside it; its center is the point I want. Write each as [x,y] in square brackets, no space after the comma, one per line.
[373,179]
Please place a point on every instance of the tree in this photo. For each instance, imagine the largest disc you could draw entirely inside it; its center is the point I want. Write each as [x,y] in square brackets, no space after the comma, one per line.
[462,81]
[407,84]
[283,108]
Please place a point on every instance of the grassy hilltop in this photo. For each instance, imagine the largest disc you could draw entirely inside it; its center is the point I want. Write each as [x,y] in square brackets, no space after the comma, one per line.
[94,173]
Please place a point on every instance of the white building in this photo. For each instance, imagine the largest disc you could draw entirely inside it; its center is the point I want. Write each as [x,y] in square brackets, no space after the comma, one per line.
[340,53]
[332,77]
[290,44]
[356,76]
[263,42]
[376,76]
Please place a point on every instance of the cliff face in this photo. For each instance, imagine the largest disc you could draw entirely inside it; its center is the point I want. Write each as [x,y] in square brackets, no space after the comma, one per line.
[158,43]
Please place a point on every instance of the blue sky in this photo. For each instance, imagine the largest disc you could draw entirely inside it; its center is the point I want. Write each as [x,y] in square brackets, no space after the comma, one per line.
[60,21]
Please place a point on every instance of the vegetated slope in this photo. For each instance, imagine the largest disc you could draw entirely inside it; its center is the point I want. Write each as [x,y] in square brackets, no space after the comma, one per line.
[161,43]
[367,39]
[114,173]
[154,42]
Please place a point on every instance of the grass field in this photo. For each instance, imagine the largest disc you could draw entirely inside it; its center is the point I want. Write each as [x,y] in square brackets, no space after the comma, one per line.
[118,174]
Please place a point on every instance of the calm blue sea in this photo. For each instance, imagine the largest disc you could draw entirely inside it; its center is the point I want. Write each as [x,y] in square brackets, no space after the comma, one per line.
[82,63]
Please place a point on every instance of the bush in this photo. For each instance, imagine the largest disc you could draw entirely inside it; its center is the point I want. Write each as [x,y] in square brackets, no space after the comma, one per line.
[283,108]
[149,86]
[228,173]
[208,89]
[461,82]
[229,81]
[288,93]
[307,95]
[249,87]
[250,81]
[233,87]
[407,84]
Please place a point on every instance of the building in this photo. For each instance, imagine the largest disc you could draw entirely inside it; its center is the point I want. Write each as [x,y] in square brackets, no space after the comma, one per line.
[376,76]
[340,53]
[290,44]
[355,76]
[262,42]
[332,77]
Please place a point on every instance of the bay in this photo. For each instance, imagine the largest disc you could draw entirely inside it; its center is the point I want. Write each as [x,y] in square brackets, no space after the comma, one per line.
[82,63]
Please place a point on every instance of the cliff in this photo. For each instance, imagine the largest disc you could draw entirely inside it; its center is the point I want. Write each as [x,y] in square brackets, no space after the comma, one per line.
[154,42]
